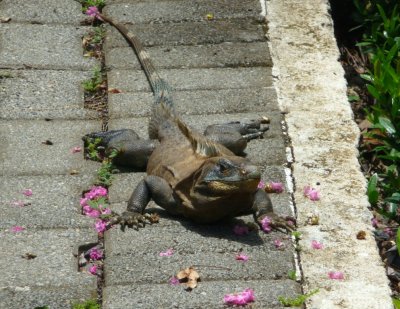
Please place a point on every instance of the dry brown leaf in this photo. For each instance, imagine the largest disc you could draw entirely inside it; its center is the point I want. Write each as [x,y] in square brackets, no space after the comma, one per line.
[189,276]
[361,235]
[5,20]
[114,90]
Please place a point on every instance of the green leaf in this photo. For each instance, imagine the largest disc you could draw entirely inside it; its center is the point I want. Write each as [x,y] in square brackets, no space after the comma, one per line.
[398,241]
[387,124]
[353,98]
[372,90]
[396,303]
[367,77]
[395,198]
[372,191]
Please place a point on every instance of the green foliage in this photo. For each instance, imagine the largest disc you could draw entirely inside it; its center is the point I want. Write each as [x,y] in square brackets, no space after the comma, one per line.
[396,303]
[398,240]
[297,301]
[372,190]
[87,3]
[98,35]
[381,42]
[292,275]
[104,174]
[94,83]
[296,235]
[91,148]
[89,304]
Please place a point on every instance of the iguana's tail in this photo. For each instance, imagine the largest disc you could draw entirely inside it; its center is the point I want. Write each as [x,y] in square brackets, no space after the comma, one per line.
[161,89]
[163,109]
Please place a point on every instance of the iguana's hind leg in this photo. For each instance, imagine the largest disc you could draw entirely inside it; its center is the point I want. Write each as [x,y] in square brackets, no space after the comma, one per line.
[150,188]
[132,151]
[235,135]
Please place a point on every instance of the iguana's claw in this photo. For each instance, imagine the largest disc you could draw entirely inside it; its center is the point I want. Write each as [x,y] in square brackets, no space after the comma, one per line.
[281,224]
[130,219]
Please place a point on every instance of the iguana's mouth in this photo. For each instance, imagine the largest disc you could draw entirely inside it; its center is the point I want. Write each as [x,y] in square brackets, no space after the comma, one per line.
[245,185]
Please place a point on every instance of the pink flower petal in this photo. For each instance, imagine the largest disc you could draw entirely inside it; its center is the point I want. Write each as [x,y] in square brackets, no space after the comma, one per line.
[19,203]
[240,299]
[265,224]
[93,270]
[27,192]
[277,187]
[241,257]
[174,281]
[92,11]
[76,149]
[169,252]
[241,230]
[311,193]
[100,226]
[261,185]
[336,275]
[316,245]
[96,254]
[17,228]
[389,231]
[278,244]
[374,222]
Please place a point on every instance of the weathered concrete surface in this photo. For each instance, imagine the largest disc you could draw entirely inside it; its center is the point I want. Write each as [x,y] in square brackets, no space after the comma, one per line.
[225,101]
[312,90]
[194,79]
[198,56]
[178,11]
[54,202]
[41,120]
[48,47]
[190,33]
[43,280]
[32,94]
[42,11]
[26,151]
[208,295]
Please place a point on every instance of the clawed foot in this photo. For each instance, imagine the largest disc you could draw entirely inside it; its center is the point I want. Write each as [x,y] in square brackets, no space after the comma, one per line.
[131,219]
[274,222]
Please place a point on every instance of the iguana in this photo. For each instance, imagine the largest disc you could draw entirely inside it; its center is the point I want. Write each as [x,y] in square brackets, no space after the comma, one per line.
[202,177]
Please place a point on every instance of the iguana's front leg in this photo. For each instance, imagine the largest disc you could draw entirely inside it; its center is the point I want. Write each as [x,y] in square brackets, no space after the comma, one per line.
[150,188]
[235,135]
[132,151]
[262,208]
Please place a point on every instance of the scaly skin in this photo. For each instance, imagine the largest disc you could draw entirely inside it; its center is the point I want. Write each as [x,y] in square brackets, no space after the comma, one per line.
[201,177]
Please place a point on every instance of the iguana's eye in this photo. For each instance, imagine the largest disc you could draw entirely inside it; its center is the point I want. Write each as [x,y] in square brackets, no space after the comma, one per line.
[224,166]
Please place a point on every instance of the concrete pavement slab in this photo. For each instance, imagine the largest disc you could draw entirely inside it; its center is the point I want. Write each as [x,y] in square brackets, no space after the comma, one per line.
[177,11]
[54,202]
[190,33]
[207,295]
[199,56]
[46,47]
[194,79]
[226,101]
[33,94]
[133,256]
[40,147]
[42,11]
[52,297]
[54,265]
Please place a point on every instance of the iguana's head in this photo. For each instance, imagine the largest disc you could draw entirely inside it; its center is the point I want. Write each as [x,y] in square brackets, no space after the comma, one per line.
[227,175]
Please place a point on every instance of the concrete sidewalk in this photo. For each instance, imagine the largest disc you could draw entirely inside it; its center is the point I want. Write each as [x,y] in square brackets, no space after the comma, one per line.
[221,70]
